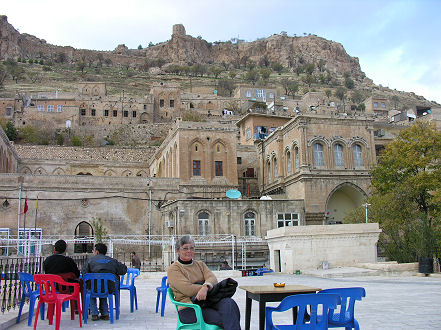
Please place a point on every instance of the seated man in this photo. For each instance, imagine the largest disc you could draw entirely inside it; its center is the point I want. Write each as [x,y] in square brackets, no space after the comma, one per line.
[60,264]
[100,263]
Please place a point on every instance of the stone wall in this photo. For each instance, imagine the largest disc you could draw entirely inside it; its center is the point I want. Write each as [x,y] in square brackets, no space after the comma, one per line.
[8,157]
[307,247]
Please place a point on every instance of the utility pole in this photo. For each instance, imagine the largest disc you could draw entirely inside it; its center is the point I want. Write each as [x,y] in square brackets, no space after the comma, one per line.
[150,214]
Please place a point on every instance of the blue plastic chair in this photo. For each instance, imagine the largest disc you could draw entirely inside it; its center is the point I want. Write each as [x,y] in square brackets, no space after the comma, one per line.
[302,301]
[162,290]
[128,283]
[25,280]
[98,284]
[261,271]
[345,318]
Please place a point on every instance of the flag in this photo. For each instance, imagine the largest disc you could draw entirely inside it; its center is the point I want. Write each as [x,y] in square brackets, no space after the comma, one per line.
[36,206]
[26,206]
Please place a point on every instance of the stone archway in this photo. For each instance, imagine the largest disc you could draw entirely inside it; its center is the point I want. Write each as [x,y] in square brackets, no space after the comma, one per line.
[83,231]
[341,200]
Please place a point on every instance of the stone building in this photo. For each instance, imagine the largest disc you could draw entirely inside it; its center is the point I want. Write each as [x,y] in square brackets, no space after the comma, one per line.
[323,161]
[8,156]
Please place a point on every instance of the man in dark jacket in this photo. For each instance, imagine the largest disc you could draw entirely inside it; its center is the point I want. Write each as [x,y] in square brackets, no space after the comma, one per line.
[58,263]
[100,263]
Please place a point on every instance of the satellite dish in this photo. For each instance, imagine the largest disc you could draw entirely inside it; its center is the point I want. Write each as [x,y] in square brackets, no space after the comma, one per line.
[233,194]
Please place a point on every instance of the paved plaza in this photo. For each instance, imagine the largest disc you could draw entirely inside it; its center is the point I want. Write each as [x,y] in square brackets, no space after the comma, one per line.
[399,302]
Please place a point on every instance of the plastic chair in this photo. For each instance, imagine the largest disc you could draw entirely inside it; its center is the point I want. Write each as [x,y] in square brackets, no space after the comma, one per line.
[98,284]
[261,271]
[302,301]
[48,294]
[199,324]
[25,280]
[128,283]
[345,318]
[162,290]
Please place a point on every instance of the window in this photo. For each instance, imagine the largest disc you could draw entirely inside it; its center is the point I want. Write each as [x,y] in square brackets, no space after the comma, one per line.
[50,108]
[218,168]
[358,155]
[8,111]
[196,168]
[115,113]
[239,160]
[269,171]
[271,95]
[40,107]
[318,155]
[276,174]
[383,105]
[83,112]
[297,158]
[93,112]
[218,148]
[161,103]
[250,219]
[260,93]
[59,108]
[288,162]
[106,113]
[126,114]
[375,104]
[145,106]
[248,134]
[134,114]
[248,93]
[172,103]
[203,221]
[287,219]
[338,155]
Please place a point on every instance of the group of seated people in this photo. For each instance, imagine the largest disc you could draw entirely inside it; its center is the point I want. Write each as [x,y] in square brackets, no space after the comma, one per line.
[190,280]
[60,264]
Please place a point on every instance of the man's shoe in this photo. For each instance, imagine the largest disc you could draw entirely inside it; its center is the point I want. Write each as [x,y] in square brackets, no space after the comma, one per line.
[105,317]
[95,318]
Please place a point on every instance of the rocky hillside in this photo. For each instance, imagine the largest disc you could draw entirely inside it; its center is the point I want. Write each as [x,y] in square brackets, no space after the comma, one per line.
[185,49]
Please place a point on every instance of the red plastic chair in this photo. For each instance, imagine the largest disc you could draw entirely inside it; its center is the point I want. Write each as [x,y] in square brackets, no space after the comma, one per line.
[48,294]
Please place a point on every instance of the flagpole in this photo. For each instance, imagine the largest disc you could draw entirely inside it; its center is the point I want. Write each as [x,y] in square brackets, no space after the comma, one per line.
[18,216]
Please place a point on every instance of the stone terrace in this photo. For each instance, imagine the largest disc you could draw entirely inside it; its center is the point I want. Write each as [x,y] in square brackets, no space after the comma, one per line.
[401,302]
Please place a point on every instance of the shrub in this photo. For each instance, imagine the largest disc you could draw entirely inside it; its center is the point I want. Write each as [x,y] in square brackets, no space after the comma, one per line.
[76,141]
[60,139]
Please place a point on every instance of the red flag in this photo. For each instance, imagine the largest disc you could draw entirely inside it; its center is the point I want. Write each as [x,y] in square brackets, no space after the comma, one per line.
[26,206]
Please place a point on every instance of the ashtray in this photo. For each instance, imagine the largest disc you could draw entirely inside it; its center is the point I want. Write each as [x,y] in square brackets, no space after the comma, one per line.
[279,285]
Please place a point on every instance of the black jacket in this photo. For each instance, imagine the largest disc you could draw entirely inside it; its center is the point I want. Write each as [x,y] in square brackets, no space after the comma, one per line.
[59,264]
[104,264]
[224,289]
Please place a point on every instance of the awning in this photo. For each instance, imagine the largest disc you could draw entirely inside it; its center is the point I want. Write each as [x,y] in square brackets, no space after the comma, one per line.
[411,115]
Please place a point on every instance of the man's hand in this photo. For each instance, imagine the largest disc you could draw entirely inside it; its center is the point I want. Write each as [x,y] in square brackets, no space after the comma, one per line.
[202,293]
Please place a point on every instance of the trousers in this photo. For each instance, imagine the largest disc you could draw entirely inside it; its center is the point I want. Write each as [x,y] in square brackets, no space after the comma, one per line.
[225,314]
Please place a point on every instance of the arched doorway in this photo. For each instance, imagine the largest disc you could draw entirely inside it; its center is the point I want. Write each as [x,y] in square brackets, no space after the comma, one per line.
[341,200]
[83,231]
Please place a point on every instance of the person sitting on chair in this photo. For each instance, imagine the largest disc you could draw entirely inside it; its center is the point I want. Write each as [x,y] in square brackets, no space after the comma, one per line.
[100,263]
[188,277]
[59,264]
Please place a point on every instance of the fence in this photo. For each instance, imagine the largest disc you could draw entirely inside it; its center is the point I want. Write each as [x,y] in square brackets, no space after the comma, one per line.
[10,288]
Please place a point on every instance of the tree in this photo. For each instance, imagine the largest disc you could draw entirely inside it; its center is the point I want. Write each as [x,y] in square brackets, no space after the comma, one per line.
[11,131]
[80,66]
[99,231]
[395,100]
[407,194]
[264,61]
[357,97]
[215,71]
[252,76]
[276,66]
[139,47]
[340,93]
[308,79]
[293,88]
[3,75]
[349,83]
[265,73]
[328,93]
[226,87]
[309,68]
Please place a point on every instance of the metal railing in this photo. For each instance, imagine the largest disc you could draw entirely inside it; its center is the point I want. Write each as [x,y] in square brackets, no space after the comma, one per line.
[10,288]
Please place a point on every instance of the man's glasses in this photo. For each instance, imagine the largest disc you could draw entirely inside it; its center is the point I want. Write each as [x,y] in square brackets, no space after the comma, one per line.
[188,249]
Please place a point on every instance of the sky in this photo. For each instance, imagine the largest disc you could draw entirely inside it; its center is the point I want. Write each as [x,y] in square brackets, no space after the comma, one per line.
[397,42]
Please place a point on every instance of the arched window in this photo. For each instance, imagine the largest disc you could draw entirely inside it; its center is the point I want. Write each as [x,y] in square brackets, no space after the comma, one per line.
[83,230]
[319,160]
[288,162]
[203,223]
[297,158]
[250,219]
[269,171]
[338,155]
[276,173]
[358,155]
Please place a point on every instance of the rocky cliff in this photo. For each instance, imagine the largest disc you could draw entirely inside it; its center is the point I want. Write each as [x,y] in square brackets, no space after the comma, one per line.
[185,49]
